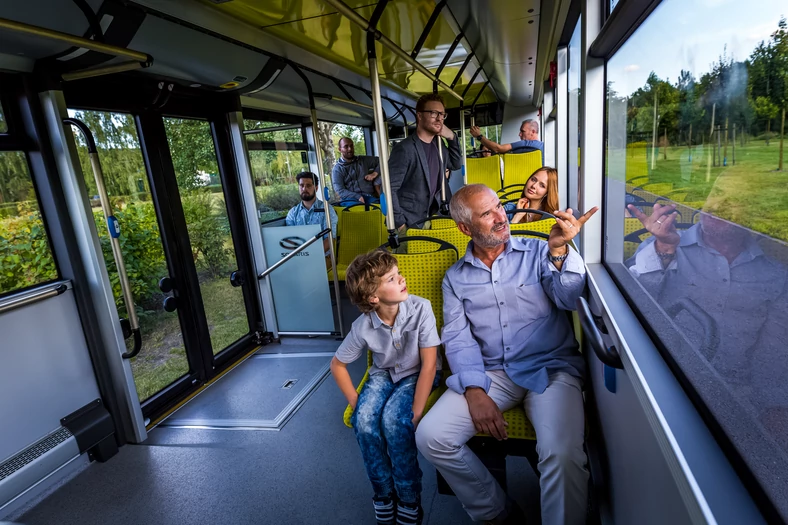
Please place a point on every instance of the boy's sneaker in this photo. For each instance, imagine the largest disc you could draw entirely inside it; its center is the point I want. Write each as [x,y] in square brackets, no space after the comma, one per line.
[384,510]
[409,513]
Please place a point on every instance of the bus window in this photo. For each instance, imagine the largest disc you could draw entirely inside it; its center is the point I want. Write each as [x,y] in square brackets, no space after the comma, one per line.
[573,142]
[3,124]
[696,217]
[25,254]
[276,157]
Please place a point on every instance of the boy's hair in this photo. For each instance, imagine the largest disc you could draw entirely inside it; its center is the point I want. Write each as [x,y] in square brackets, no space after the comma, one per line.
[363,277]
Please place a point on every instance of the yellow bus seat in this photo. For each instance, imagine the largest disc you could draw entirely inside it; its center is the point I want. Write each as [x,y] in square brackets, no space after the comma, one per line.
[517,167]
[452,236]
[485,170]
[361,232]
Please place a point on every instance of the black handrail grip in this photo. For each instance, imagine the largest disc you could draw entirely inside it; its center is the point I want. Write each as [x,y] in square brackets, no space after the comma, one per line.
[711,339]
[137,345]
[443,244]
[545,214]
[421,222]
[608,355]
[367,206]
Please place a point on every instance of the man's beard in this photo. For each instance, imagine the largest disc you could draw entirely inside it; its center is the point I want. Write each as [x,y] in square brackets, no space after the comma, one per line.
[306,197]
[489,239]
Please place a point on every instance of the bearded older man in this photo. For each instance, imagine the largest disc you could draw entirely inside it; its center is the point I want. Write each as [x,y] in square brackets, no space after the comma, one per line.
[508,341]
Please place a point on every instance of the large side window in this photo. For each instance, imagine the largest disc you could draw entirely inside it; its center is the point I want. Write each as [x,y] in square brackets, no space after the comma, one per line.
[276,157]
[25,253]
[696,215]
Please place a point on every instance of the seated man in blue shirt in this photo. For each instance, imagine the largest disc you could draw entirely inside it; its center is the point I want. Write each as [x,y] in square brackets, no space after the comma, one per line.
[310,210]
[509,342]
[529,140]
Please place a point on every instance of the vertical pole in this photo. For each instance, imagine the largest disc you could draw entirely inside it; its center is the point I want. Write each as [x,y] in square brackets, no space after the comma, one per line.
[462,141]
[719,145]
[380,128]
[733,146]
[326,205]
[725,155]
[654,136]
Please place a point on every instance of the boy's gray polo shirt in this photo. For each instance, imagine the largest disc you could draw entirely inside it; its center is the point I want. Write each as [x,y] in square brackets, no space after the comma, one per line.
[394,349]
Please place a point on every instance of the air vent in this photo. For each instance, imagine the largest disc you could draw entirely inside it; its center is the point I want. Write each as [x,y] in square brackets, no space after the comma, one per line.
[33,452]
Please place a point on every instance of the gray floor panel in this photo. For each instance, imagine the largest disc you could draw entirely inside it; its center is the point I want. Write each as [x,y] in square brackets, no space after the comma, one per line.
[253,391]
[309,473]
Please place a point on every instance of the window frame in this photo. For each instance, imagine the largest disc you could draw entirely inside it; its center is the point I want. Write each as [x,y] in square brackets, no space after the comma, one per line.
[16,140]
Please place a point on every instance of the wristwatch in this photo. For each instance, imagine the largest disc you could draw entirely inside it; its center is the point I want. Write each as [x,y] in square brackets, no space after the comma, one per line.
[480,137]
[559,258]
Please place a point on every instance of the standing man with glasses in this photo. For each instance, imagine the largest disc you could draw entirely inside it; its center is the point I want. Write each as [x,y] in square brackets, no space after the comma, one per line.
[416,167]
[529,140]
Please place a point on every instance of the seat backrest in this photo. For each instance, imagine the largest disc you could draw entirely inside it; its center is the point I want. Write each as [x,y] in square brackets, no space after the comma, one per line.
[517,167]
[361,232]
[424,275]
[485,170]
[544,226]
[451,235]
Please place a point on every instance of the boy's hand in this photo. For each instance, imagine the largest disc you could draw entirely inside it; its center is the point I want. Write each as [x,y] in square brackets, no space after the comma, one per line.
[353,402]
[416,419]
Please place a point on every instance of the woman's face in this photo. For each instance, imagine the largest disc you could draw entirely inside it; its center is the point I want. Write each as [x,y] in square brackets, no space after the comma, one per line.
[536,187]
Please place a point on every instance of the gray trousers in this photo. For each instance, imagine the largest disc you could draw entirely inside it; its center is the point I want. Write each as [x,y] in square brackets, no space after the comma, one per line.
[559,421]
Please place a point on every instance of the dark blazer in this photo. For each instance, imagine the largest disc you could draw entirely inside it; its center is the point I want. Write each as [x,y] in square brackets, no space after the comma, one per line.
[410,183]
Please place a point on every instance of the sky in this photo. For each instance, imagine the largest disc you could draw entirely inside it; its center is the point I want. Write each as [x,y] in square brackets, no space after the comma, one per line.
[691,35]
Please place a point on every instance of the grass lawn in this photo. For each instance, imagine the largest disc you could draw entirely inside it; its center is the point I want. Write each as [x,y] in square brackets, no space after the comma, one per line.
[753,193]
[163,356]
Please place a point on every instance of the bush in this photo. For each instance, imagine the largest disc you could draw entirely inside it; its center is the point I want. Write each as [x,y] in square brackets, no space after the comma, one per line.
[142,253]
[25,256]
[209,228]
[278,197]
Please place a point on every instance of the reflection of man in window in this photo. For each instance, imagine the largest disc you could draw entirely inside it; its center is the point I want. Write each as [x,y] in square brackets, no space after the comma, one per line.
[356,177]
[310,210]
[529,140]
[721,268]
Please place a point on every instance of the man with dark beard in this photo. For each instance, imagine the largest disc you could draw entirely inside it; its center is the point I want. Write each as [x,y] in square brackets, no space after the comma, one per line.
[310,210]
[508,341]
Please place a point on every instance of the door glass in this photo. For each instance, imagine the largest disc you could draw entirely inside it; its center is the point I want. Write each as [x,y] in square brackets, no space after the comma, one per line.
[276,158]
[202,197]
[162,359]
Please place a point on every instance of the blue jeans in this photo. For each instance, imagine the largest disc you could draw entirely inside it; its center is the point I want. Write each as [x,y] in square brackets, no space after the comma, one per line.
[383,423]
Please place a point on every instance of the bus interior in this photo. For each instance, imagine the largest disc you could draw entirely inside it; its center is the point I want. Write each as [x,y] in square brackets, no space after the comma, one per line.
[165,340]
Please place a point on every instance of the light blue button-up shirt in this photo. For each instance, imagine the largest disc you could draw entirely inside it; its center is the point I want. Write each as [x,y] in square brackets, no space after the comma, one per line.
[511,316]
[299,215]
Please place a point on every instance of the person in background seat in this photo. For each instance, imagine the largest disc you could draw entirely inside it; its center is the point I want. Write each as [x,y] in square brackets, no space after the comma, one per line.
[356,178]
[310,210]
[400,331]
[529,140]
[509,342]
[539,193]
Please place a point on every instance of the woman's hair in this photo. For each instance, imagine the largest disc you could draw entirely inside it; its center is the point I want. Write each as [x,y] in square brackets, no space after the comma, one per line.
[363,277]
[550,200]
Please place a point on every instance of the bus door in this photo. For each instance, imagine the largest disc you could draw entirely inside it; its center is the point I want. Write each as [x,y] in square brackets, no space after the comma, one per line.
[183,243]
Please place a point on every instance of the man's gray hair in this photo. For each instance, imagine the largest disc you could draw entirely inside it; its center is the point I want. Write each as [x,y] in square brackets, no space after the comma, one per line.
[531,123]
[459,208]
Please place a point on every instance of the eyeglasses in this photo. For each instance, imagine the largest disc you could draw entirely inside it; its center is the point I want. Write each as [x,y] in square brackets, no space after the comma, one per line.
[436,114]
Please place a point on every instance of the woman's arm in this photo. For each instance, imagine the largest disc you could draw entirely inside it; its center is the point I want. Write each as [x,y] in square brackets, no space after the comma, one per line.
[345,384]
[429,360]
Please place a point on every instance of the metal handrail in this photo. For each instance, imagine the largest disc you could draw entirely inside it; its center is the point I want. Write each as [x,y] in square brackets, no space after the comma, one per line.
[113,229]
[141,60]
[347,101]
[292,254]
[362,22]
[269,130]
[27,297]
